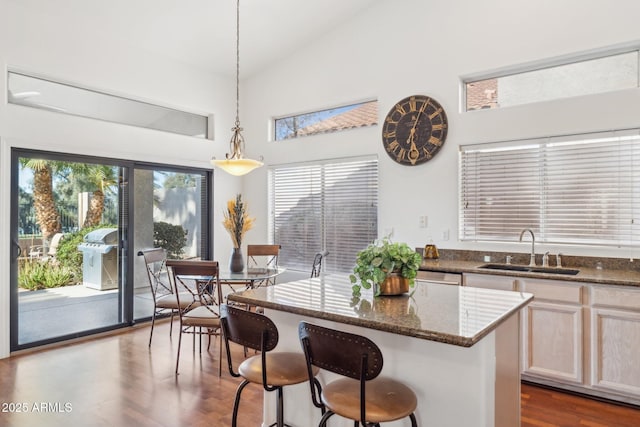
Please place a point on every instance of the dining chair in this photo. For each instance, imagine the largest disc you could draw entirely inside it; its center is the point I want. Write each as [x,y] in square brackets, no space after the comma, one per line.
[361,395]
[55,243]
[316,268]
[273,370]
[263,257]
[164,300]
[38,251]
[197,288]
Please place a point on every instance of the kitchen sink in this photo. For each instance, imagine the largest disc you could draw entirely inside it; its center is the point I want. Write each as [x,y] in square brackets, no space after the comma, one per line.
[531,269]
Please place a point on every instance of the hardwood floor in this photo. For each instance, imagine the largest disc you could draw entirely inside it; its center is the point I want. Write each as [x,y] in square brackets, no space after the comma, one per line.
[117,381]
[543,407]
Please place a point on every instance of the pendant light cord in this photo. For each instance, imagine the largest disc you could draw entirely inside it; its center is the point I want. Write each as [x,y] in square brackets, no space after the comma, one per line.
[235,163]
[238,64]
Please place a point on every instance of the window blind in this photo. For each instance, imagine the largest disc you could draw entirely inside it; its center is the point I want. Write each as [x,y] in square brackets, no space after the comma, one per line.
[579,189]
[329,206]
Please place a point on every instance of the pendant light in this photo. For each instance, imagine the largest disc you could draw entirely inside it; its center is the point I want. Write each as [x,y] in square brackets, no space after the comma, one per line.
[235,163]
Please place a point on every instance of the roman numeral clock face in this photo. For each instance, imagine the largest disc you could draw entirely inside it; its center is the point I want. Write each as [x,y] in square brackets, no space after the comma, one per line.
[414,130]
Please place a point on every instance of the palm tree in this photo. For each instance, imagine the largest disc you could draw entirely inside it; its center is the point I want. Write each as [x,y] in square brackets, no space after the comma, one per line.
[102,178]
[47,214]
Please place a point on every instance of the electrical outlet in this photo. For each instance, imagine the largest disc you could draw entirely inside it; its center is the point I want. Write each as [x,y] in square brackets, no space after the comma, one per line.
[445,234]
[423,221]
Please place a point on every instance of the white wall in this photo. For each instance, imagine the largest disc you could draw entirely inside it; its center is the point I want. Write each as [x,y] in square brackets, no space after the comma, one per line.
[44,40]
[408,47]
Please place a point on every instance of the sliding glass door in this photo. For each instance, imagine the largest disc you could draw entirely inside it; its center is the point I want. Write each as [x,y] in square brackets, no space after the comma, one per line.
[170,211]
[77,224]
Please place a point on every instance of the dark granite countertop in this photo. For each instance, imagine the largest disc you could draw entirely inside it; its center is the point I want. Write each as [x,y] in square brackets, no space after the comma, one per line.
[449,314]
[613,271]
[586,275]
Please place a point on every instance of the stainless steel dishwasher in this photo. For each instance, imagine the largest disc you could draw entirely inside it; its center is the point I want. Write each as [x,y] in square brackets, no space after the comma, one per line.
[439,277]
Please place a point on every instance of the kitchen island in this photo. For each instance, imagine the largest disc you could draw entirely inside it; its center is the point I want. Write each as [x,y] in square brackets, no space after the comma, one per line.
[456,347]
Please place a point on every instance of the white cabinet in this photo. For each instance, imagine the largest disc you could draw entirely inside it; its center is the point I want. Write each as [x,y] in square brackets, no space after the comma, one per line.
[615,339]
[553,330]
[489,281]
[578,336]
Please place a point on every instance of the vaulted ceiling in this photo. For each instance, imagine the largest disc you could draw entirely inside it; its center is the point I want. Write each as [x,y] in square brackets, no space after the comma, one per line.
[203,32]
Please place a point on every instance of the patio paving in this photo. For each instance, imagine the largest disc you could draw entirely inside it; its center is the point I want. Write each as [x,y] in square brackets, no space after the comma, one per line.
[69,310]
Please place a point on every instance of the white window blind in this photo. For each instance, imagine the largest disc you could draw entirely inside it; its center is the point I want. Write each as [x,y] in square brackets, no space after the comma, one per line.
[329,206]
[579,189]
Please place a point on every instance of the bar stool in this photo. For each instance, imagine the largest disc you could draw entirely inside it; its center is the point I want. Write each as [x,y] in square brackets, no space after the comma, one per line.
[361,396]
[273,370]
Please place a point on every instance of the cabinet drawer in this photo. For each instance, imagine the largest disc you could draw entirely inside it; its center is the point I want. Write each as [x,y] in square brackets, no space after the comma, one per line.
[488,281]
[617,297]
[438,277]
[553,290]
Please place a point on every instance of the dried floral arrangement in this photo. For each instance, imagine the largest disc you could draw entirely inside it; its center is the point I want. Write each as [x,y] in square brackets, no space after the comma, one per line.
[236,220]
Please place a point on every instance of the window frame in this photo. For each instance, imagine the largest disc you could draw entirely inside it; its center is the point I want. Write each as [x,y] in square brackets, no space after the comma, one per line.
[545,64]
[58,96]
[357,104]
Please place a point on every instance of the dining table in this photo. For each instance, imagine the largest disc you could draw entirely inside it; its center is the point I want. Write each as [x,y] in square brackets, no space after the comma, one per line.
[230,282]
[249,278]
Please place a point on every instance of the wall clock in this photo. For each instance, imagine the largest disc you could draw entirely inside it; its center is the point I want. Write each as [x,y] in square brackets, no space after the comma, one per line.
[414,130]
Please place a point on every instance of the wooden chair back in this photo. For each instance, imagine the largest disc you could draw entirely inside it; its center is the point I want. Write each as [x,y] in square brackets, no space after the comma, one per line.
[199,278]
[263,256]
[183,267]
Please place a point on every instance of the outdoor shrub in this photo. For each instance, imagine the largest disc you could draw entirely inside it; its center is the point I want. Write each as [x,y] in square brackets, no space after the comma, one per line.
[68,254]
[42,274]
[172,238]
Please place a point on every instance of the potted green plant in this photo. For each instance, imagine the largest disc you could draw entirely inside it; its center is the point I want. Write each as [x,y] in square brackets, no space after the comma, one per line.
[387,266]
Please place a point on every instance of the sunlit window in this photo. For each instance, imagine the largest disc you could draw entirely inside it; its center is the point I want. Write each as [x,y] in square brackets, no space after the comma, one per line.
[325,121]
[330,206]
[553,81]
[577,189]
[49,95]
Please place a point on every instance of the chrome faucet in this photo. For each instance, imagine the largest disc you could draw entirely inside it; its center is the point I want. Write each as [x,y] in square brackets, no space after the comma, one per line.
[532,262]
[559,260]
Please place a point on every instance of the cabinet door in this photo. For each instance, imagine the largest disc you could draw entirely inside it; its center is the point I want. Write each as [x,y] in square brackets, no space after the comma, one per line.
[489,281]
[553,341]
[615,348]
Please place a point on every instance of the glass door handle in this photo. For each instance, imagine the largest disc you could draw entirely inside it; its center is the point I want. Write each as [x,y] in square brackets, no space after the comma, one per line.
[15,246]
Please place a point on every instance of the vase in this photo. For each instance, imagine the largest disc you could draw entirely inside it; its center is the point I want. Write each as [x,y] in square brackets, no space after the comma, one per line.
[394,284]
[236,262]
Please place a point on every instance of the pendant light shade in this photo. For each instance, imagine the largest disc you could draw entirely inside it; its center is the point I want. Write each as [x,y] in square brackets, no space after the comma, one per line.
[235,163]
[237,167]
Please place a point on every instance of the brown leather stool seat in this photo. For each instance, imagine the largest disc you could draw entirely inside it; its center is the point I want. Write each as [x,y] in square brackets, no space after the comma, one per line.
[284,369]
[361,396]
[387,399]
[273,370]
